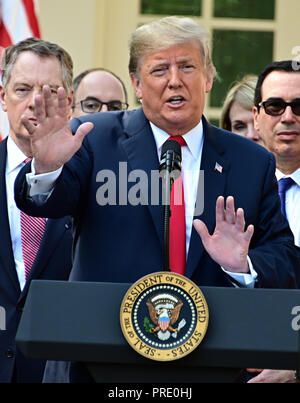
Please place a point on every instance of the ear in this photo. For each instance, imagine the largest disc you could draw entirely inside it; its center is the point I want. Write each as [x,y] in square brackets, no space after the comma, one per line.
[70,98]
[209,84]
[2,98]
[136,83]
[256,117]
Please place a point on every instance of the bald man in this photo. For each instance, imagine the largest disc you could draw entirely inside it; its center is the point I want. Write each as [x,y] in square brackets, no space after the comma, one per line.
[98,90]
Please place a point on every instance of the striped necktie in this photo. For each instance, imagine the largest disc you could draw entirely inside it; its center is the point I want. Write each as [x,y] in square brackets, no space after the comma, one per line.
[32,232]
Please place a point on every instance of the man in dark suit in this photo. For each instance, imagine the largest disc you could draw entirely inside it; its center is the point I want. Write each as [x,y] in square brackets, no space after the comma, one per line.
[107,184]
[26,67]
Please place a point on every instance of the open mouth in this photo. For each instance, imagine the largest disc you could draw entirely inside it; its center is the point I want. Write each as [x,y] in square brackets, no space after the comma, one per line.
[176,100]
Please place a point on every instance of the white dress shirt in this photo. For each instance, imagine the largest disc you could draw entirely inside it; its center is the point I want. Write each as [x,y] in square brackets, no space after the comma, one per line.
[292,203]
[14,163]
[191,159]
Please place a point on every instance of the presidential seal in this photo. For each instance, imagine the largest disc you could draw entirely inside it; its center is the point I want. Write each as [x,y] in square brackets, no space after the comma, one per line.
[164,316]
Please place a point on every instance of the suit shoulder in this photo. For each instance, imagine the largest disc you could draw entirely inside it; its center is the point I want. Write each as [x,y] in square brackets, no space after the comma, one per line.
[103,119]
[108,124]
[238,143]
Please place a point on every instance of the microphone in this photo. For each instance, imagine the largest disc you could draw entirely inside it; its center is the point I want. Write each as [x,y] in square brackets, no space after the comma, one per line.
[169,169]
[170,159]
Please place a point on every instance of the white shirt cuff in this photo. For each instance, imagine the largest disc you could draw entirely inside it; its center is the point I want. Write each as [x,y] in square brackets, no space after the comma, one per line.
[244,279]
[41,183]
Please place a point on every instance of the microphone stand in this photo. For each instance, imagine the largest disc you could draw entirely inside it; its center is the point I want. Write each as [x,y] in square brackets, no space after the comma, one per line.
[170,166]
[166,219]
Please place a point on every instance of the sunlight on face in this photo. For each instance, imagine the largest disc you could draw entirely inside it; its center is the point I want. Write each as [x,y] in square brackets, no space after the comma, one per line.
[172,86]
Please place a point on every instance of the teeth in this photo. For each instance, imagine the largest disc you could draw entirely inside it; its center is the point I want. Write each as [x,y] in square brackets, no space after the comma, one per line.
[176,100]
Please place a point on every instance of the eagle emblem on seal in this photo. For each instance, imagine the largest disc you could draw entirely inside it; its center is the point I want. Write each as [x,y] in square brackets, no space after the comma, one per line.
[164,310]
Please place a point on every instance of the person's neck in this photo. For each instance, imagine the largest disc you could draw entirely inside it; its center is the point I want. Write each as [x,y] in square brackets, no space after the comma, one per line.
[287,167]
[24,145]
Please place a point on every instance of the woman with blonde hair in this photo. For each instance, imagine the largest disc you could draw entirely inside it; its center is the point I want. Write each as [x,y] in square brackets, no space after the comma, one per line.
[237,115]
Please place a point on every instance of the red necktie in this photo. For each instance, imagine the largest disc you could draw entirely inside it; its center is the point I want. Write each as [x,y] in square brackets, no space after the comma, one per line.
[32,232]
[177,222]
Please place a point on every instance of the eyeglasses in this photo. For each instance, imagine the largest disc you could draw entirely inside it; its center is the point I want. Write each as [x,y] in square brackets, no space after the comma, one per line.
[277,106]
[94,105]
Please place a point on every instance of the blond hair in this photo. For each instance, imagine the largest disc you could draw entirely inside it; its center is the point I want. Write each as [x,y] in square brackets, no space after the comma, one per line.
[167,32]
[241,92]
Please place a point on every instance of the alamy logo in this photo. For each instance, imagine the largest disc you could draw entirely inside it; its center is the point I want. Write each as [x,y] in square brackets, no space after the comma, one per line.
[2,318]
[296,58]
[296,320]
[136,187]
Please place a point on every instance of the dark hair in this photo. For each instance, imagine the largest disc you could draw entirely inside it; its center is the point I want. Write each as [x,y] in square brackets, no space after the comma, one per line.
[284,65]
[80,77]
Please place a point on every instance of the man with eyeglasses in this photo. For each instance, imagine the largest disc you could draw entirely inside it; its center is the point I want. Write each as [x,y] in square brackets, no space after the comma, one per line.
[119,240]
[98,90]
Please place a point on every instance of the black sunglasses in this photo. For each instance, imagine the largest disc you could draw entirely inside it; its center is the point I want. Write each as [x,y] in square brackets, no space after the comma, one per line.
[94,105]
[277,106]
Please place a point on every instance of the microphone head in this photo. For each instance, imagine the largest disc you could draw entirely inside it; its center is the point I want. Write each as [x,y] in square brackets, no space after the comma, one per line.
[170,157]
[171,145]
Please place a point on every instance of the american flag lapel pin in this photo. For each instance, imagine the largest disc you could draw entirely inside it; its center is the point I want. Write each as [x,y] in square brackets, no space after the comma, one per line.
[218,168]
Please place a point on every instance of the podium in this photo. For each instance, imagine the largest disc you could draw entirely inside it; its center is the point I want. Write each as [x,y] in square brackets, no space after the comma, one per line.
[80,321]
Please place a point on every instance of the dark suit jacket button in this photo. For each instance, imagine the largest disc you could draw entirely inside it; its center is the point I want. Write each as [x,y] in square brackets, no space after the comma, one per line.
[9,353]
[67,226]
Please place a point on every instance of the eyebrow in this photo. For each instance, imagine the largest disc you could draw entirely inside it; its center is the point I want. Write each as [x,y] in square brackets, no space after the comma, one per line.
[180,59]
[281,99]
[26,84]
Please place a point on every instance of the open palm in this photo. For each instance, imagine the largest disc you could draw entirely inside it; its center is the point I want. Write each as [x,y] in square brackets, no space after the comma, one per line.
[229,244]
[52,141]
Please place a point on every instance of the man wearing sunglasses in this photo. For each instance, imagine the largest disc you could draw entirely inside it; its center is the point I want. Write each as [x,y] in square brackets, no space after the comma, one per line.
[98,90]
[171,72]
[277,119]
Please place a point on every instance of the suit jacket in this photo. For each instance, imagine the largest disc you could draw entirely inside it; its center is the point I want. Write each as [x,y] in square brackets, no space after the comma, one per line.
[54,261]
[121,243]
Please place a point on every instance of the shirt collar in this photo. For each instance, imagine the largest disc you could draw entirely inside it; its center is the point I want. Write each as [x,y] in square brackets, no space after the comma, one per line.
[295,175]
[193,138]
[15,156]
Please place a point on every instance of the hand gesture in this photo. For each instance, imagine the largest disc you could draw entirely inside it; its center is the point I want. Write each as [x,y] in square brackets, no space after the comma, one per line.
[52,141]
[229,244]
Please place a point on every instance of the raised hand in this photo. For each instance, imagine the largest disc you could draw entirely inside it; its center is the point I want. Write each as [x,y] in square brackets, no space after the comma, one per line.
[229,244]
[52,141]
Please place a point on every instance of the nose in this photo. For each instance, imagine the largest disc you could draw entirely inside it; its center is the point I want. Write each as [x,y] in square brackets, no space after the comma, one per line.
[288,116]
[174,77]
[252,133]
[104,108]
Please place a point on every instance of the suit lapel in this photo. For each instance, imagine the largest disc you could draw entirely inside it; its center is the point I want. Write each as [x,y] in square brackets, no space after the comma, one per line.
[214,186]
[6,253]
[140,149]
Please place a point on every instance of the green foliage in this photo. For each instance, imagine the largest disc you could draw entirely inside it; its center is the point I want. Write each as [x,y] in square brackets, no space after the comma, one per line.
[171,7]
[148,326]
[258,9]
[235,54]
